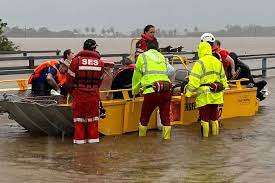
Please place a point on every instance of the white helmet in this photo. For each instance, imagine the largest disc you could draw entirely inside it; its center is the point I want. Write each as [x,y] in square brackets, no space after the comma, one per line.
[208,37]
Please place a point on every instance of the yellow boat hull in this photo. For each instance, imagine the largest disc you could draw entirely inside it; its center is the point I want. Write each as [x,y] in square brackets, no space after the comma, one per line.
[122,114]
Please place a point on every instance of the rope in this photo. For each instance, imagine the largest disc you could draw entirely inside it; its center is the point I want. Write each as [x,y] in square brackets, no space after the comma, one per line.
[33,100]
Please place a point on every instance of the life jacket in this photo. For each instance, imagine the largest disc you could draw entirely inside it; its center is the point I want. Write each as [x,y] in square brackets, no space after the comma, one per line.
[89,70]
[141,45]
[51,63]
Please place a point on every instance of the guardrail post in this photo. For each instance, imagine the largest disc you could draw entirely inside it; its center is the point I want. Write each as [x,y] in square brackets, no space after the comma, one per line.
[31,62]
[24,54]
[264,66]
[58,52]
[124,57]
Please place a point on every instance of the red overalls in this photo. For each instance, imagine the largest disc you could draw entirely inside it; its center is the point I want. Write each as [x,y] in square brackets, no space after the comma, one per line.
[85,74]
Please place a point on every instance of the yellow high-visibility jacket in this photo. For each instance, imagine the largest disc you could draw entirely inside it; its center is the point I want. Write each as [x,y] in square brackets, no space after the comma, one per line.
[206,70]
[150,67]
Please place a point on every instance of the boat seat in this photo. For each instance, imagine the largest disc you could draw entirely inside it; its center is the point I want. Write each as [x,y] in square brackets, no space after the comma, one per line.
[180,75]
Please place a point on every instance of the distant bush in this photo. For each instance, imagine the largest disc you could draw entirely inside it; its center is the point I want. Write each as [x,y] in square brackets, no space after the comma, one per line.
[5,44]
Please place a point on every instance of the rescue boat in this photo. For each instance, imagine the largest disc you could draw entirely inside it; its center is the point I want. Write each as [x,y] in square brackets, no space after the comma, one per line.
[52,115]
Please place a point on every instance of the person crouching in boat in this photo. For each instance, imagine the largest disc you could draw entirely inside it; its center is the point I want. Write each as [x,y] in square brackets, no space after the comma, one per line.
[85,76]
[50,75]
[148,35]
[208,80]
[150,76]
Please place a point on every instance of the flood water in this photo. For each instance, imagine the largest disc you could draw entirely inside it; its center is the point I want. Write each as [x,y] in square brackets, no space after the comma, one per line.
[243,152]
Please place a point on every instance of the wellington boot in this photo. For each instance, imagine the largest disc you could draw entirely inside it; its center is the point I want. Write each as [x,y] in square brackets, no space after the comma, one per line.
[204,128]
[215,127]
[142,130]
[166,132]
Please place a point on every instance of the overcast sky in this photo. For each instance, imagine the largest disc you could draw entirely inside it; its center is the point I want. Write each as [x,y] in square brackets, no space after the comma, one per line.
[126,15]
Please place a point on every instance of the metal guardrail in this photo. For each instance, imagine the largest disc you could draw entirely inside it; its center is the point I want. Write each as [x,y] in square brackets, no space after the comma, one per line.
[25,53]
[31,60]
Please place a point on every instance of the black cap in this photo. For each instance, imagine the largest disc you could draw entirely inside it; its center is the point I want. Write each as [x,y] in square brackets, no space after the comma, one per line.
[89,44]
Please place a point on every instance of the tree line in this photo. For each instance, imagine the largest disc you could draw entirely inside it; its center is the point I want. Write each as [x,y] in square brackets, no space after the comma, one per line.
[86,32]
[227,31]
[239,31]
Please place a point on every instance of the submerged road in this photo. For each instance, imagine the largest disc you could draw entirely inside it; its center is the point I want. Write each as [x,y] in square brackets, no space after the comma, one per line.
[243,152]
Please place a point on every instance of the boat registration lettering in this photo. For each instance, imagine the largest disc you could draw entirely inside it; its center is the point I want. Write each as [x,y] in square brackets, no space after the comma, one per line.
[190,106]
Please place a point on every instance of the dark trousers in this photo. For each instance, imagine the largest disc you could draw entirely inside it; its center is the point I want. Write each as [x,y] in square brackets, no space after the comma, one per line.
[151,102]
[41,89]
[209,112]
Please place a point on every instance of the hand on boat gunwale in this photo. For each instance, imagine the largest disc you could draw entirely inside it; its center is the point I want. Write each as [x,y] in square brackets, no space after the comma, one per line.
[53,92]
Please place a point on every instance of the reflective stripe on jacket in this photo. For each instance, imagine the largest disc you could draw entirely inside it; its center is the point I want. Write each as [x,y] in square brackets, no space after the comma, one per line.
[150,67]
[206,70]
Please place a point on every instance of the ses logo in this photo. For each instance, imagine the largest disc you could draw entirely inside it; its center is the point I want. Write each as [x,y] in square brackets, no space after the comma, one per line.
[89,62]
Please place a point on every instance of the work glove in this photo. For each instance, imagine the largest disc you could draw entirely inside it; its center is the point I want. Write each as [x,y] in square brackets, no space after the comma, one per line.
[53,92]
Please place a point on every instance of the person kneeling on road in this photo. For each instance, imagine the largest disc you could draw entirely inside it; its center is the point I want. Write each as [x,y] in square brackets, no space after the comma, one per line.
[150,76]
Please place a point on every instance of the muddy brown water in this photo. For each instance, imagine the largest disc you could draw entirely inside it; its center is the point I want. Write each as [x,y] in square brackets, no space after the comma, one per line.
[243,152]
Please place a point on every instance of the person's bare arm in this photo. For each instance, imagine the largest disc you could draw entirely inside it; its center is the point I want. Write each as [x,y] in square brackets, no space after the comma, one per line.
[232,65]
[51,81]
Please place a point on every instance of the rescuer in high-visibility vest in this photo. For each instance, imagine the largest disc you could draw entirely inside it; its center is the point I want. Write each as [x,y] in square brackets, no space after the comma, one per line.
[208,81]
[150,77]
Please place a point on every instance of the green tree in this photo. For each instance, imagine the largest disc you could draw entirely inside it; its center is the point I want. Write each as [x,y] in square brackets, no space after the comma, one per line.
[5,44]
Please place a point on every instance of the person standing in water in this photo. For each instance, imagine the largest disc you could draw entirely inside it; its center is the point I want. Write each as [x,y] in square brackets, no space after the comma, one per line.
[150,77]
[85,76]
[208,80]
